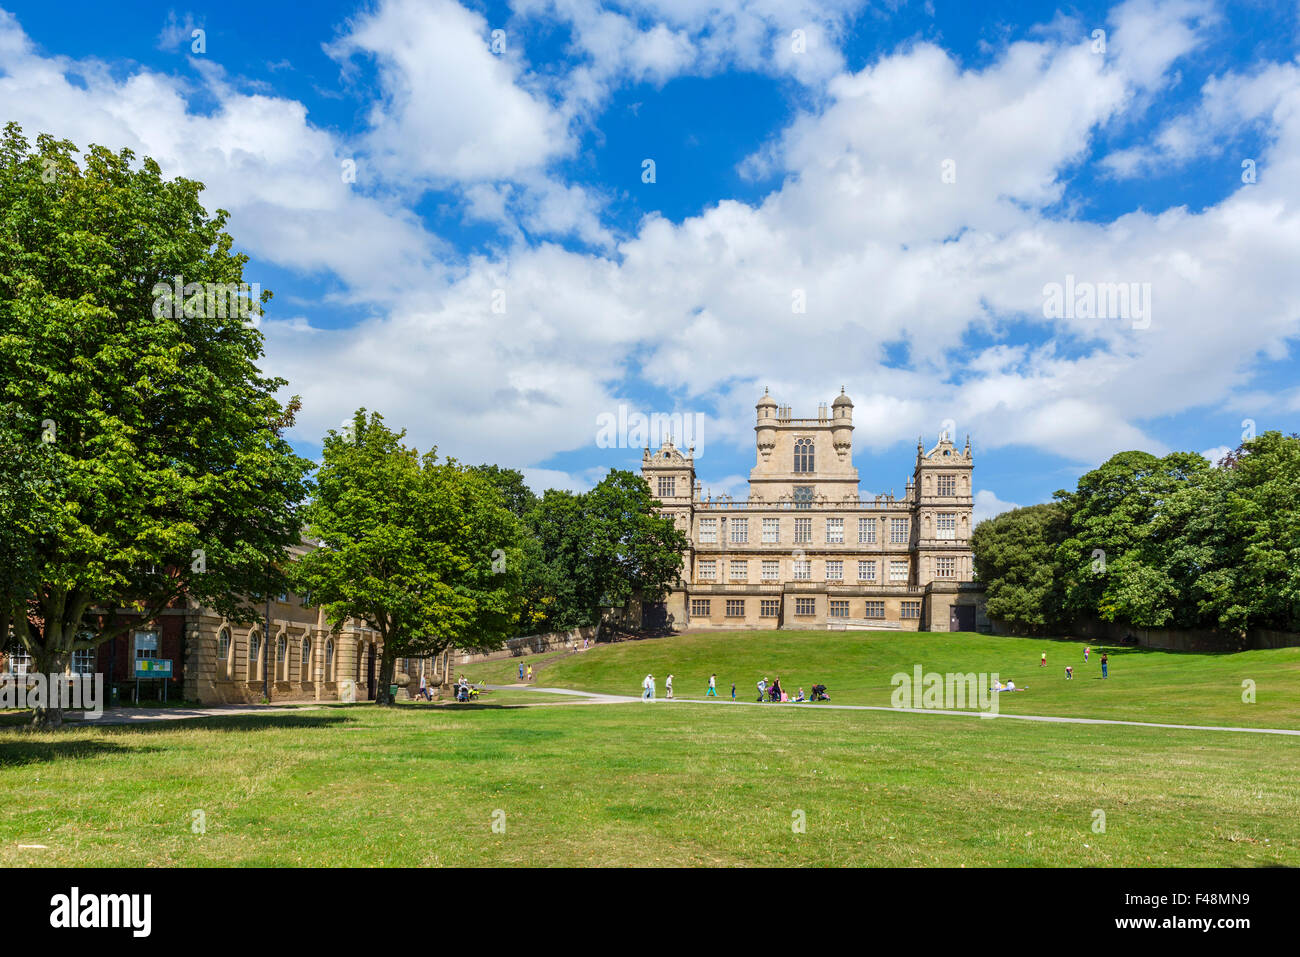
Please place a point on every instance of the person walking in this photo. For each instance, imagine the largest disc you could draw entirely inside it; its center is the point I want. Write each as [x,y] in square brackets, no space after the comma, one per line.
[733,691]
[1043,663]
[530,672]
[521,671]
[713,687]
[668,684]
[1086,649]
[645,688]
[1104,661]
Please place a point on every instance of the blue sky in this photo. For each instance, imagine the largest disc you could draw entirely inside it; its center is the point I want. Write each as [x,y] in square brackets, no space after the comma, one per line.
[498,274]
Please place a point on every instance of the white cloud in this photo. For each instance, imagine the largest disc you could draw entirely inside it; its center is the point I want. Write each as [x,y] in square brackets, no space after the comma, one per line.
[987,505]
[888,257]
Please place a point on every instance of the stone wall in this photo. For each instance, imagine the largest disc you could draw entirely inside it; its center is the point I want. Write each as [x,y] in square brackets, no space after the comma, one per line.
[529,645]
[1168,639]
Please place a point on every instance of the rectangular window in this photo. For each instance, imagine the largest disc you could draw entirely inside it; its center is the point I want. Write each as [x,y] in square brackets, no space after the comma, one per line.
[805,606]
[771,571]
[835,571]
[945,568]
[708,531]
[83,661]
[898,571]
[771,531]
[802,570]
[839,609]
[910,609]
[875,609]
[699,608]
[666,485]
[802,530]
[946,525]
[739,571]
[900,531]
[146,644]
[769,607]
[706,569]
[947,484]
[866,571]
[739,531]
[866,531]
[19,662]
[803,496]
[735,608]
[834,531]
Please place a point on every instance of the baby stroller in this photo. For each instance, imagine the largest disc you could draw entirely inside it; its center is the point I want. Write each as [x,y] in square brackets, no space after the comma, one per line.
[774,693]
[462,693]
[818,693]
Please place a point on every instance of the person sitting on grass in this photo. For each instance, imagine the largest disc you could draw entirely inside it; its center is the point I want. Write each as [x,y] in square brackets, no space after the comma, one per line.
[800,695]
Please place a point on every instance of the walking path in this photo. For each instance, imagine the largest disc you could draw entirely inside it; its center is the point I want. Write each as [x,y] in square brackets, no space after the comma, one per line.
[145,715]
[621,699]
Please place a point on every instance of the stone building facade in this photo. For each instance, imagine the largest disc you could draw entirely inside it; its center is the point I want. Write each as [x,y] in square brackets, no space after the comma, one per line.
[218,661]
[805,550]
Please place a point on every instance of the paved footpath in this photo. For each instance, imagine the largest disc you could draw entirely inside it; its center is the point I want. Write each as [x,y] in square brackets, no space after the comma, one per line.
[821,705]
[146,715]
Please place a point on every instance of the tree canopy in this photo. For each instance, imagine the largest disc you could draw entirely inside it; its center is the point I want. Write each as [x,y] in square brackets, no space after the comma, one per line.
[1169,542]
[149,462]
[424,551]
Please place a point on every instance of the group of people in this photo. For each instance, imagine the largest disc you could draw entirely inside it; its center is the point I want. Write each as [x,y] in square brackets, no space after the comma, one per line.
[1069,669]
[766,692]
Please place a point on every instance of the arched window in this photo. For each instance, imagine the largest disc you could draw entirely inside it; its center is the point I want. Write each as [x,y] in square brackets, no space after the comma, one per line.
[306,659]
[254,645]
[223,653]
[281,648]
[282,658]
[803,455]
[329,659]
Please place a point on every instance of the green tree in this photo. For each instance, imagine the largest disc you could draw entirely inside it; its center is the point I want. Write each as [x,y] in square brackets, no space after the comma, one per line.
[609,545]
[1113,562]
[425,552]
[1238,549]
[1016,557]
[162,472]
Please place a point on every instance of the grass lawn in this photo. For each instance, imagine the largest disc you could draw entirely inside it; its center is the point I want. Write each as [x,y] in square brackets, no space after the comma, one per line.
[643,784]
[1144,685]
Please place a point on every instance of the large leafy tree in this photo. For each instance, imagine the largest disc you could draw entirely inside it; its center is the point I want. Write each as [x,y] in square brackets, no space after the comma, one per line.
[1113,561]
[423,551]
[1234,537]
[161,471]
[609,544]
[1016,556]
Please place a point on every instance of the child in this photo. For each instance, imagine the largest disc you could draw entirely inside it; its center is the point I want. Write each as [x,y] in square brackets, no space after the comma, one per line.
[530,672]
[1043,663]
[521,671]
[1086,649]
[733,691]
[1069,673]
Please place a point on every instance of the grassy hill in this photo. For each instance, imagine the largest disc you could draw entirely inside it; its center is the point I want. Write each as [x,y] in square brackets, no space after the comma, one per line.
[1144,685]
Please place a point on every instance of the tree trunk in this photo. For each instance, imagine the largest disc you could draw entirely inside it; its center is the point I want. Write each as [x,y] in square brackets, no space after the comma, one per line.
[386,664]
[47,717]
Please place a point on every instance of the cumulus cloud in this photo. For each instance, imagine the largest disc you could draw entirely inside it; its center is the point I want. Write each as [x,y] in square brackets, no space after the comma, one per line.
[988,505]
[913,229]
